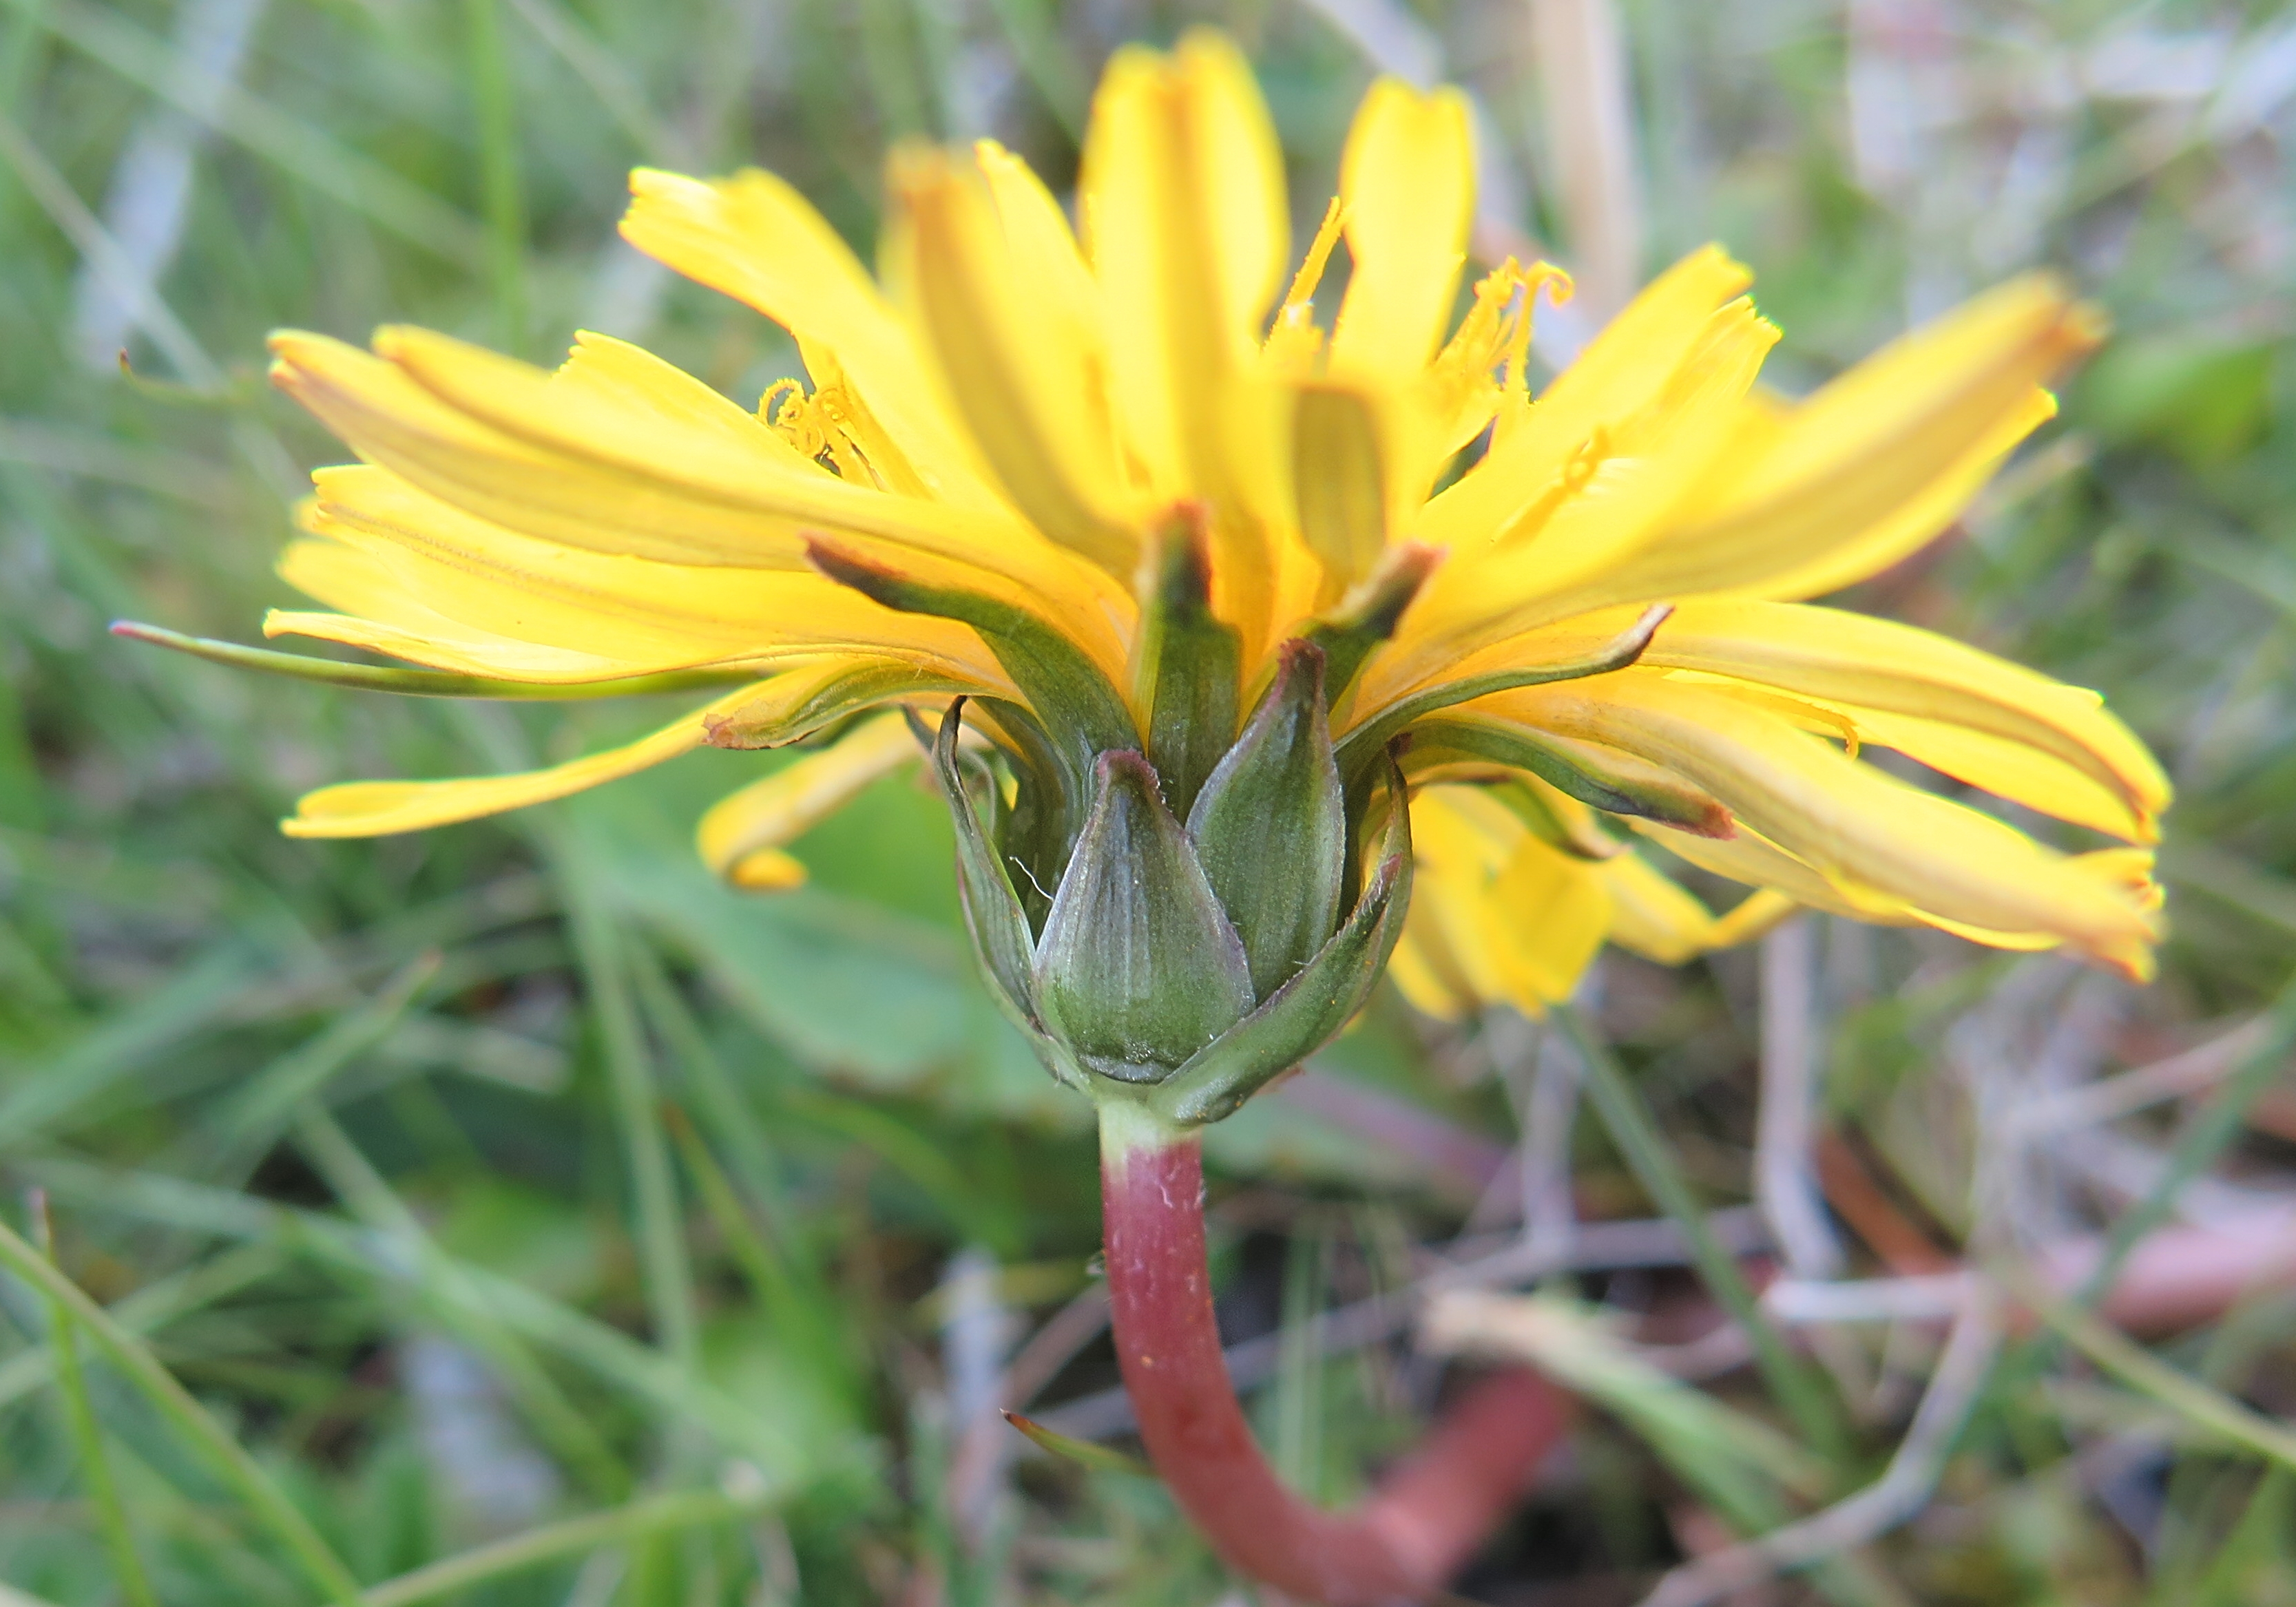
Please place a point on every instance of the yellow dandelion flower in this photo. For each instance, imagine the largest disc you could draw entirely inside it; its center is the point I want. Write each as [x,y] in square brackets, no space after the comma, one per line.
[1118,486]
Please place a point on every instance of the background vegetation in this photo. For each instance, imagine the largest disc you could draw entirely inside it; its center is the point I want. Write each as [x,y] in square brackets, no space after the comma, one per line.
[528,1220]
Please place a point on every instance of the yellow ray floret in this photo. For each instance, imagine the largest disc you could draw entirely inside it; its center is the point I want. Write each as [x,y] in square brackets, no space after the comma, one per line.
[379,808]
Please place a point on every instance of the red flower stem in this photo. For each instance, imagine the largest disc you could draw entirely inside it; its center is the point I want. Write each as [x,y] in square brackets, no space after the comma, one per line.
[1429,1514]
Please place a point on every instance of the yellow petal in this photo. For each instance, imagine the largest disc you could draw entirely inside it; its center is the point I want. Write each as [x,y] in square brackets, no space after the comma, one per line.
[1623,368]
[1045,249]
[1184,224]
[1754,860]
[576,469]
[379,808]
[1580,638]
[766,871]
[755,238]
[1406,185]
[402,558]
[1422,970]
[604,501]
[1871,836]
[613,468]
[1498,583]
[1549,914]
[1446,962]
[1654,916]
[1876,463]
[350,579]
[1339,470]
[1863,663]
[1784,882]
[2006,769]
[740,835]
[1182,193]
[612,405]
[1496,915]
[1031,399]
[451,647]
[1752,917]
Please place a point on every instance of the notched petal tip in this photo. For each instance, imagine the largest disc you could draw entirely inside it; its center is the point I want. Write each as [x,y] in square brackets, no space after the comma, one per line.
[296,353]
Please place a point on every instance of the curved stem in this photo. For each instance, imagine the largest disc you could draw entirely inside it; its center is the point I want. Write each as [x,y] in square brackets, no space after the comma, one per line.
[1428,1515]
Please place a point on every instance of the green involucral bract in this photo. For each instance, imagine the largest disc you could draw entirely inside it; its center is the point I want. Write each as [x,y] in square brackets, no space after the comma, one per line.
[1271,825]
[1137,967]
[1211,956]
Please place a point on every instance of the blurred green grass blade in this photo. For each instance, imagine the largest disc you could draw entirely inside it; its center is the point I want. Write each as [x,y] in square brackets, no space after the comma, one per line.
[923,1161]
[894,68]
[792,1299]
[47,1096]
[656,1515]
[1032,29]
[639,1370]
[667,1274]
[2265,1535]
[702,1071]
[254,1488]
[418,683]
[87,1435]
[610,1355]
[778,1262]
[2211,1411]
[1734,1460]
[91,455]
[1084,1452]
[770,1278]
[619,94]
[1806,1397]
[153,1308]
[494,99]
[1736,1464]
[2203,1139]
[253,1114]
[87,571]
[20,46]
[556,1421]
[101,253]
[2249,888]
[29,987]
[23,794]
[10,1597]
[103,257]
[1296,1401]
[287,142]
